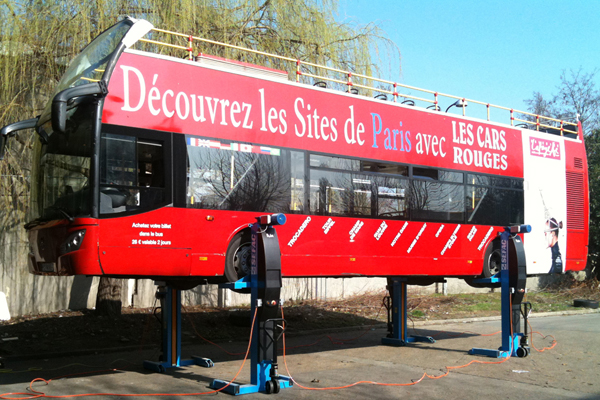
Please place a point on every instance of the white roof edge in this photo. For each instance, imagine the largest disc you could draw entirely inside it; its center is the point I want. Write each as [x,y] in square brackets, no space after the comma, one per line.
[139,29]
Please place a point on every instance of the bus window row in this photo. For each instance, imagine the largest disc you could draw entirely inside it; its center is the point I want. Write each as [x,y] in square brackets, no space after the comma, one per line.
[236,176]
[243,177]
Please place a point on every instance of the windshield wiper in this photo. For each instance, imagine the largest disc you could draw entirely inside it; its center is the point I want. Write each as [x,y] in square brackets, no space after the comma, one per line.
[62,211]
[34,223]
[45,218]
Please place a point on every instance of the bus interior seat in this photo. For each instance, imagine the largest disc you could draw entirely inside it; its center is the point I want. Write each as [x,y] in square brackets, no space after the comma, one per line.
[118,197]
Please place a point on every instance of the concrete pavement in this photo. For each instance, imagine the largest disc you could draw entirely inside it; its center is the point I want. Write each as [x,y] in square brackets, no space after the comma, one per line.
[569,371]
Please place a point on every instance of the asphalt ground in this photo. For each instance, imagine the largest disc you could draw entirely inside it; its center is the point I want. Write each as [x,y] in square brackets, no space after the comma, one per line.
[570,370]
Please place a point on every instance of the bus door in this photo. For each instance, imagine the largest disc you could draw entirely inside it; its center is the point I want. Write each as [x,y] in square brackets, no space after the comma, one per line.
[139,232]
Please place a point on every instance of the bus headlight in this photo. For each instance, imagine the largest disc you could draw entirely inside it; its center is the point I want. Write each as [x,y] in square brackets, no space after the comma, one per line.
[73,242]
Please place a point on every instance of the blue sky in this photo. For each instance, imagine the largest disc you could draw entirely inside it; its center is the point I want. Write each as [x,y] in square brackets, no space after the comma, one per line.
[493,51]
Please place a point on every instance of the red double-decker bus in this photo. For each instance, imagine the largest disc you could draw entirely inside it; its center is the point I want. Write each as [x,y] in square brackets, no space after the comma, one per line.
[153,166]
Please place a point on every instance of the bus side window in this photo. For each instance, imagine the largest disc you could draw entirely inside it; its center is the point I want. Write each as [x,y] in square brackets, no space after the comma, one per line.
[330,192]
[297,182]
[436,201]
[132,174]
[492,200]
[151,175]
[117,172]
[150,164]
[494,206]
[237,176]
[392,198]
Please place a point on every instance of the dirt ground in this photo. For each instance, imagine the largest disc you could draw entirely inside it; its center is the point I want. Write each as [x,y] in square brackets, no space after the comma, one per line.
[73,332]
[69,332]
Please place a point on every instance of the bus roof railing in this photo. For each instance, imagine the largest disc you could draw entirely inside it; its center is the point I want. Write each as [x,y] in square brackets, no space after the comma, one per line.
[349,80]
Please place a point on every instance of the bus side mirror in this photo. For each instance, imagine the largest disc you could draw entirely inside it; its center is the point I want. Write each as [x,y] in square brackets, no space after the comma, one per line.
[59,103]
[9,130]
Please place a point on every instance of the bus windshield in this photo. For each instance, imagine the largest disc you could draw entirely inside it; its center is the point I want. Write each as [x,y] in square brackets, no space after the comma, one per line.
[90,64]
[61,168]
[61,163]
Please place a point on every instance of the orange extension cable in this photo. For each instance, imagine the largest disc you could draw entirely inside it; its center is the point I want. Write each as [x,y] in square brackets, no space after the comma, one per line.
[425,374]
[35,394]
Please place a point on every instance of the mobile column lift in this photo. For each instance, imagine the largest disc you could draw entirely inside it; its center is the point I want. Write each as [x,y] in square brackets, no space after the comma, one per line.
[170,307]
[512,279]
[265,288]
[398,315]
[264,283]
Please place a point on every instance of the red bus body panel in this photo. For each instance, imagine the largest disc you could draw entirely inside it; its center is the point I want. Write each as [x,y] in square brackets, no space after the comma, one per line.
[578,207]
[179,96]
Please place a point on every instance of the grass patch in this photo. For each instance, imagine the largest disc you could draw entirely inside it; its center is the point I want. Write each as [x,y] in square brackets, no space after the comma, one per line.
[438,306]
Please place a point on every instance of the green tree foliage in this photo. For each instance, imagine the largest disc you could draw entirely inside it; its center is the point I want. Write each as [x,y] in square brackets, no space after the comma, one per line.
[592,145]
[577,98]
[38,38]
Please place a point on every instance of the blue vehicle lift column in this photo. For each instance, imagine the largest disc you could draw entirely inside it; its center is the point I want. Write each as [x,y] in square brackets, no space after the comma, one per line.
[265,288]
[513,279]
[398,315]
[170,301]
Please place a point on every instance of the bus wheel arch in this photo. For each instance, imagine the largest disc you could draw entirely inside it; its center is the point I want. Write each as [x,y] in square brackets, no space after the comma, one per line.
[238,256]
[492,260]
[491,266]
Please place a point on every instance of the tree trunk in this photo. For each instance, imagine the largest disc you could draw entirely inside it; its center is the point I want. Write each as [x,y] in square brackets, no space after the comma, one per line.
[108,300]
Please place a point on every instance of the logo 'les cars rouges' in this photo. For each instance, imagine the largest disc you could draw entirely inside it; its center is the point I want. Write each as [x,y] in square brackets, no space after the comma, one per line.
[544,148]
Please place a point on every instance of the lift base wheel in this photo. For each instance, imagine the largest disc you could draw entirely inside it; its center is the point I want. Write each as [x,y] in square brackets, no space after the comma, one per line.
[269,387]
[522,352]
